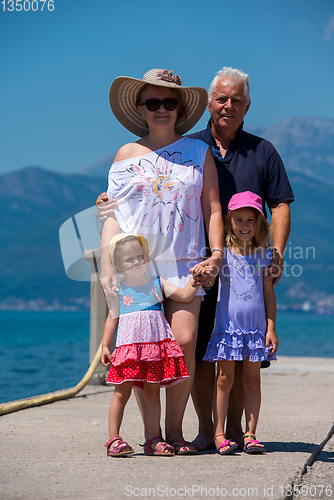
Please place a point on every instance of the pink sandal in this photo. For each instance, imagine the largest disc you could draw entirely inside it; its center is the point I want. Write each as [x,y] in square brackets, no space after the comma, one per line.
[121,449]
[162,448]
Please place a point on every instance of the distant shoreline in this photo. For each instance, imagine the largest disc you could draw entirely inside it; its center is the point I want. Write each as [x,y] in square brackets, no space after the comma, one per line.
[75,308]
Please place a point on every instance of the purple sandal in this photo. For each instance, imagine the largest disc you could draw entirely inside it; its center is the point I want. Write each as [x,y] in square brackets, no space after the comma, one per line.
[121,449]
[251,446]
[226,444]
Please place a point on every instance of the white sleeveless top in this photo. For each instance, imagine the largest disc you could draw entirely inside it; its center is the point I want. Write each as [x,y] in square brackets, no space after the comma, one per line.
[159,193]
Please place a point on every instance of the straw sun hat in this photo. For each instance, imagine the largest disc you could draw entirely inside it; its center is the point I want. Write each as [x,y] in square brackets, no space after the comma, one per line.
[124,92]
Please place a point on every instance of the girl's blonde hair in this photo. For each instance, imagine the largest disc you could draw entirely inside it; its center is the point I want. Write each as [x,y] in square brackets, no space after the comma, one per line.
[116,243]
[261,229]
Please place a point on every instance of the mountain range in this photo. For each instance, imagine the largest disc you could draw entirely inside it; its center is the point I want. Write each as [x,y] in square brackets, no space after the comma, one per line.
[35,203]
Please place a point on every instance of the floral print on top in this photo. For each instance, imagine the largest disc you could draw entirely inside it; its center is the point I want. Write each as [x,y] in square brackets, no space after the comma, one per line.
[160,193]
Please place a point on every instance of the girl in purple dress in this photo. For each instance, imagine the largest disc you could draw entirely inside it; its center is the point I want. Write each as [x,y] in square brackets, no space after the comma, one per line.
[245,316]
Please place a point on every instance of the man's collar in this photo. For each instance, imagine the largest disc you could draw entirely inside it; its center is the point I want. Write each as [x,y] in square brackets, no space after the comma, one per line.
[210,139]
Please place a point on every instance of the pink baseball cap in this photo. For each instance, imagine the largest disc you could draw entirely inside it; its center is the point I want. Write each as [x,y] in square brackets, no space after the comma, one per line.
[245,199]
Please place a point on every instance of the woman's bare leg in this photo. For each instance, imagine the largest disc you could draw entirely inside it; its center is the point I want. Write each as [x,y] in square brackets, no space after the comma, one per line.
[139,395]
[152,410]
[183,319]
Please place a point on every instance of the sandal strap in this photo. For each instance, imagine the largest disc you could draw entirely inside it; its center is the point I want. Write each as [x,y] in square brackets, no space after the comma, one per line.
[111,440]
[118,447]
[224,443]
[162,447]
[214,437]
[250,435]
[252,441]
[148,445]
[182,443]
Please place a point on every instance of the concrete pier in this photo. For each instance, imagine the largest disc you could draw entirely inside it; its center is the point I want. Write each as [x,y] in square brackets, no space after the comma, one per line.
[57,451]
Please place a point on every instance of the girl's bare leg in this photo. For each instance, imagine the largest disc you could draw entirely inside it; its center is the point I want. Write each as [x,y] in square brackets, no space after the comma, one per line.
[117,405]
[236,408]
[252,386]
[224,383]
[183,319]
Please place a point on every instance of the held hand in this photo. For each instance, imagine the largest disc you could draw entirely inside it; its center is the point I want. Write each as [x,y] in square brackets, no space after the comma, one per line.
[274,270]
[203,275]
[200,270]
[105,356]
[272,340]
[105,207]
[212,264]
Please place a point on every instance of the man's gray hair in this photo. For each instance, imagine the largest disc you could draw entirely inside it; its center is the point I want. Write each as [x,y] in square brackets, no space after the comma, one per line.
[235,74]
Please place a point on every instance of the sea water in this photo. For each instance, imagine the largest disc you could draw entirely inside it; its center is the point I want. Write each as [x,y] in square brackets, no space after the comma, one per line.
[41,352]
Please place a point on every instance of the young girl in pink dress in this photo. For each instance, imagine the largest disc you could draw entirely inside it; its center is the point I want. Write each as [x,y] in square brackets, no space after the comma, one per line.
[147,355]
[245,316]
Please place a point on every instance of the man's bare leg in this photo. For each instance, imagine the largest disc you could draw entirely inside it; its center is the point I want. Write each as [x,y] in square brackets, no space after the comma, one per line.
[202,394]
[236,408]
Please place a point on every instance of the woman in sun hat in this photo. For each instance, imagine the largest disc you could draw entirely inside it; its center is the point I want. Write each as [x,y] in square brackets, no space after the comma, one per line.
[165,184]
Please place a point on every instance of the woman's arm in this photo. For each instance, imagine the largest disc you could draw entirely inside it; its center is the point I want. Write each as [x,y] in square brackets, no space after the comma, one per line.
[108,276]
[212,214]
[270,305]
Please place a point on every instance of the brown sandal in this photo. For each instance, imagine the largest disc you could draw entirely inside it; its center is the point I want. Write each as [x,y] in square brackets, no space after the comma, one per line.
[182,447]
[162,449]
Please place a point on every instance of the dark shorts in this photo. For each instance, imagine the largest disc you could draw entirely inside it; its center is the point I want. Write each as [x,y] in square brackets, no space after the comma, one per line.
[206,323]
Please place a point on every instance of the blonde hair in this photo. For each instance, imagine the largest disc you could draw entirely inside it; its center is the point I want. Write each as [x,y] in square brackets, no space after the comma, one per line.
[261,229]
[116,244]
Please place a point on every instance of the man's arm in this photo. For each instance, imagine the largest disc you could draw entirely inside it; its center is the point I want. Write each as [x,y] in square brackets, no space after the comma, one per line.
[280,230]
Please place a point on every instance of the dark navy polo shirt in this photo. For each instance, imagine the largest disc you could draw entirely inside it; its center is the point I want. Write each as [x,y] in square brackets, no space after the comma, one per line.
[250,164]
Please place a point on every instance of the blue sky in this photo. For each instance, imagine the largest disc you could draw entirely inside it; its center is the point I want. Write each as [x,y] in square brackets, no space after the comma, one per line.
[57,67]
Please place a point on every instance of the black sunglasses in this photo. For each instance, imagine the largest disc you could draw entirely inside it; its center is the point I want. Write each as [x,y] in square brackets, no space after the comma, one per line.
[169,104]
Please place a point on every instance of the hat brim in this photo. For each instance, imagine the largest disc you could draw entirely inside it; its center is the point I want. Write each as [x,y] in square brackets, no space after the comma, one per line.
[123,96]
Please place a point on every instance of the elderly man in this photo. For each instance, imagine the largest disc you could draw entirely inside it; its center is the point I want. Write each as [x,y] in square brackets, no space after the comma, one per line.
[244,163]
